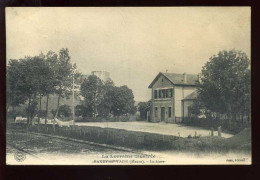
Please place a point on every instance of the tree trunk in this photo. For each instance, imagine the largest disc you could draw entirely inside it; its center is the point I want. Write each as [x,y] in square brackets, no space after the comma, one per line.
[47,103]
[229,116]
[58,105]
[94,107]
[59,98]
[57,110]
[40,109]
[28,112]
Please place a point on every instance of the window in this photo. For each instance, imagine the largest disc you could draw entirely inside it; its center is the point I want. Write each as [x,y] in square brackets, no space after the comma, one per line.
[155,94]
[155,112]
[169,111]
[163,93]
[169,93]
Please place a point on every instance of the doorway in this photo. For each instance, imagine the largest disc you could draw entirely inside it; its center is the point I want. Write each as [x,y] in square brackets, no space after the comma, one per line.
[162,113]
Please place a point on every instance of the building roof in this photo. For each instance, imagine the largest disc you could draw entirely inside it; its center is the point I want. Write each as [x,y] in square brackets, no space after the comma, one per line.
[177,79]
[191,96]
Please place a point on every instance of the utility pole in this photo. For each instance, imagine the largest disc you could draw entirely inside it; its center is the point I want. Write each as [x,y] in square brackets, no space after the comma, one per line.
[73,111]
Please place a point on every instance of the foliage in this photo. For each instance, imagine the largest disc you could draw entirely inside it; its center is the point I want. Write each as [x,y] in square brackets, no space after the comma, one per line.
[92,90]
[64,111]
[143,108]
[14,83]
[83,111]
[24,79]
[51,60]
[224,86]
[104,109]
[41,113]
[31,78]
[16,112]
[123,100]
[133,110]
[63,74]
[104,98]
[32,109]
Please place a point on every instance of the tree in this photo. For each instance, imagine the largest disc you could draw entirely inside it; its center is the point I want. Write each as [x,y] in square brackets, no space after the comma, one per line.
[31,110]
[196,109]
[44,79]
[63,71]
[224,85]
[31,78]
[22,83]
[92,90]
[28,83]
[83,111]
[14,81]
[143,108]
[104,108]
[123,100]
[79,110]
[51,84]
[64,111]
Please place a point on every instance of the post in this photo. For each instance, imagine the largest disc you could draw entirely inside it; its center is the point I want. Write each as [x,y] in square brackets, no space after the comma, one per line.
[212,131]
[219,131]
[73,111]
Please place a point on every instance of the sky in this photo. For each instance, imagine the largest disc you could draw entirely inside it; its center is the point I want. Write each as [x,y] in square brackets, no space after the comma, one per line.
[134,44]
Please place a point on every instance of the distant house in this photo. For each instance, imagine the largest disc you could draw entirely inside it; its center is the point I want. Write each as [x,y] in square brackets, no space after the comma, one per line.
[172,95]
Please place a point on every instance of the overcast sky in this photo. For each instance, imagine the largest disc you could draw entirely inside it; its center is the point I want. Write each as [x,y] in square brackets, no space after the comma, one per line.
[133,44]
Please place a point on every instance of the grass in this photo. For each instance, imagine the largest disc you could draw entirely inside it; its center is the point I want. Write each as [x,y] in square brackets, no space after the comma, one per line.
[238,143]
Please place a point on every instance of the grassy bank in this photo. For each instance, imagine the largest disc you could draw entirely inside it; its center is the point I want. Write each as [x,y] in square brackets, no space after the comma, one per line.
[149,141]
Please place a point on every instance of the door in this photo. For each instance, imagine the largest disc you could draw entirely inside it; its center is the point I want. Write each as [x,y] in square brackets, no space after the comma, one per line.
[162,113]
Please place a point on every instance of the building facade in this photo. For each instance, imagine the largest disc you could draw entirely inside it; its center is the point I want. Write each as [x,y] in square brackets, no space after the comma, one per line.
[168,93]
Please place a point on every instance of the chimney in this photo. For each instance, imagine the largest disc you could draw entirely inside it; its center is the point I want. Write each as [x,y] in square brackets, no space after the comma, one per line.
[184,78]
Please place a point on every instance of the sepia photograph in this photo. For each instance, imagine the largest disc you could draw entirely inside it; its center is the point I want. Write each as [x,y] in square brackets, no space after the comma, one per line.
[128,86]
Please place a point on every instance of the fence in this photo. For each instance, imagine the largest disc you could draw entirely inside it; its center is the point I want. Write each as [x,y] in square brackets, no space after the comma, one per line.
[226,124]
[109,119]
[178,119]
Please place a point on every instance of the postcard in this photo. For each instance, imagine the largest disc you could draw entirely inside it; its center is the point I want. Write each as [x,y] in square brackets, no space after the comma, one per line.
[128,86]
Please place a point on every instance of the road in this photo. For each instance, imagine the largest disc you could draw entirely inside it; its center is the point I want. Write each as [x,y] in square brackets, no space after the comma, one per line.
[157,128]
[40,149]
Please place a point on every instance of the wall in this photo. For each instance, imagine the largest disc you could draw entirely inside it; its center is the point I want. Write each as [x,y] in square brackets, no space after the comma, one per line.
[166,104]
[162,83]
[180,93]
[185,106]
